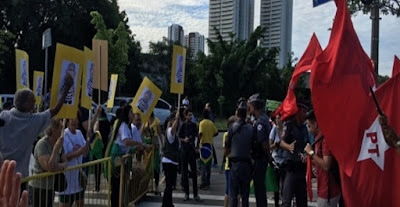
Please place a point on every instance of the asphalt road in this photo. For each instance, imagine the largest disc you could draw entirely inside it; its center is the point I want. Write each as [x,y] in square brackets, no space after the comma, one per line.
[214,196]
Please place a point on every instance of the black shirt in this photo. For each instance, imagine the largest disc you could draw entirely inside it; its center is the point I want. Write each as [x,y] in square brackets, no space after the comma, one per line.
[188,129]
[294,132]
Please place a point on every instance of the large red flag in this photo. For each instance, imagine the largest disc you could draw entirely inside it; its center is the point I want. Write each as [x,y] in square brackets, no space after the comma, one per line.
[396,66]
[289,106]
[340,79]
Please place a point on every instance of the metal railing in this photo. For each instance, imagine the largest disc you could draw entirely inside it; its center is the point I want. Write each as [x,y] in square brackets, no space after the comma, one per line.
[135,174]
[97,192]
[136,178]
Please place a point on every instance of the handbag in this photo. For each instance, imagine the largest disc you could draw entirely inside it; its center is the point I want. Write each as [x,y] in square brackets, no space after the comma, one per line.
[82,175]
[82,179]
[60,183]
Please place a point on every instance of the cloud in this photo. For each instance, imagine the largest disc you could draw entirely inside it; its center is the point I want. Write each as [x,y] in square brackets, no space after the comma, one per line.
[307,20]
[150,19]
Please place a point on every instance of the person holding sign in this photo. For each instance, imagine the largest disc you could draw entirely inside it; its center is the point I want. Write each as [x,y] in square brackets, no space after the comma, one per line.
[22,126]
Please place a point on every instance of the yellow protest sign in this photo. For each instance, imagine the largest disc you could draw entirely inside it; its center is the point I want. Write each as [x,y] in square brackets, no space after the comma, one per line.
[87,79]
[178,69]
[68,60]
[100,57]
[38,86]
[146,99]
[22,69]
[111,90]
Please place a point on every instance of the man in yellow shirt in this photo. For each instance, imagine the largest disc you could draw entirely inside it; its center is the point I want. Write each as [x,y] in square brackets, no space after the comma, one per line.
[207,131]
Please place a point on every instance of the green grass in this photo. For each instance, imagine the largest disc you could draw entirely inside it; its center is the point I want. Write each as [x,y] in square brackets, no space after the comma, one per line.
[221,124]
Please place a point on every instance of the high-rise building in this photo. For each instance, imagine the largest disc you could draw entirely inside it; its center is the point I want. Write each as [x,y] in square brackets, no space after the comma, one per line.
[175,33]
[276,16]
[231,16]
[195,43]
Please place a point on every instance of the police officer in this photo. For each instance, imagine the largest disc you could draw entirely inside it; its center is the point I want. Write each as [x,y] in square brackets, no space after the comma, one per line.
[260,151]
[238,146]
[295,137]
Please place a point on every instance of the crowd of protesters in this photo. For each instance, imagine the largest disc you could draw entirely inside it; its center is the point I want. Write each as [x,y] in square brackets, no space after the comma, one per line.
[252,143]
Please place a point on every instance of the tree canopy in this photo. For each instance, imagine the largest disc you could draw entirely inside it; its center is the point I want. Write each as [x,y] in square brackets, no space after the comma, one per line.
[386,6]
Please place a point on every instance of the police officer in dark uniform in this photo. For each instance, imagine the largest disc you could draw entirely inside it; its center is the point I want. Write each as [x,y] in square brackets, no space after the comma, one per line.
[238,146]
[260,151]
[295,138]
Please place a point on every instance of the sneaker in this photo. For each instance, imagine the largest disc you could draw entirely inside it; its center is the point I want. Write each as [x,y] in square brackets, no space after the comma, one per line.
[198,199]
[186,197]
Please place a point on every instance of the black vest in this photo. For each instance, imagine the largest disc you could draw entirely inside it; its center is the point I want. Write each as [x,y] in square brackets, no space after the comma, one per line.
[171,151]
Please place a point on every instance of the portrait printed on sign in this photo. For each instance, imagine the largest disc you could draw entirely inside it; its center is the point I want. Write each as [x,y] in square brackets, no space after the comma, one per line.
[89,79]
[72,69]
[24,70]
[39,86]
[110,91]
[145,100]
[179,69]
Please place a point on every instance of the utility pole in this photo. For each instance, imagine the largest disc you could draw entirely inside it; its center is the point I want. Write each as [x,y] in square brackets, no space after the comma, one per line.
[375,34]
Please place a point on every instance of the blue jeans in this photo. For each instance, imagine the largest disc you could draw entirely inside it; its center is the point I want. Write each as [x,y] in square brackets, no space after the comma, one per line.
[206,174]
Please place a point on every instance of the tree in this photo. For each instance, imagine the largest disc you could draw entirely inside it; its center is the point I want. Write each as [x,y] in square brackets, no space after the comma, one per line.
[386,6]
[69,21]
[117,45]
[234,69]
[5,38]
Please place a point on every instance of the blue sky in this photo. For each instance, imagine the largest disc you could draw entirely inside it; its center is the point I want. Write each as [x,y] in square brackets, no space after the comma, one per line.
[149,21]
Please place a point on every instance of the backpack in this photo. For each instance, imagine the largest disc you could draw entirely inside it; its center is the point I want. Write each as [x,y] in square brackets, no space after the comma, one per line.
[334,169]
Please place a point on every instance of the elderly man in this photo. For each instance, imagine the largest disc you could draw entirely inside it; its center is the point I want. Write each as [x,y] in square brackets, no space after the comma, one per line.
[22,126]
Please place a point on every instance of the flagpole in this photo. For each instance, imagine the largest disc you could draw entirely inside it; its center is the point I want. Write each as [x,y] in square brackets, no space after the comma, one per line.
[378,108]
[99,98]
[62,132]
[89,122]
[179,102]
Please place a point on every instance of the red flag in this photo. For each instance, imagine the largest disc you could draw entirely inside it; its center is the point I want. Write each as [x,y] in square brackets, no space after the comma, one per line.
[309,178]
[340,79]
[289,106]
[396,66]
[277,111]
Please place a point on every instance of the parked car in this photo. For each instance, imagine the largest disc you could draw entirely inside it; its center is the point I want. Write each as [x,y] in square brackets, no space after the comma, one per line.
[110,116]
[161,110]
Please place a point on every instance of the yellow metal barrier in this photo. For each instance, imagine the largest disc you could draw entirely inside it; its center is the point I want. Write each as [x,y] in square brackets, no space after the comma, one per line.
[97,192]
[136,177]
[135,180]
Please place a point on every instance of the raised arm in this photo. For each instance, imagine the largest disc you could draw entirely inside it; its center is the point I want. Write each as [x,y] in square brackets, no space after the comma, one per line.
[67,85]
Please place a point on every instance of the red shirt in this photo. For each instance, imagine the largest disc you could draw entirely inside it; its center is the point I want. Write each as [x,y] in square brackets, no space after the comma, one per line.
[322,175]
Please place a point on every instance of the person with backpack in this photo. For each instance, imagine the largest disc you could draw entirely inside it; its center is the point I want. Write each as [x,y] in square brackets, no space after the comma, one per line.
[238,145]
[328,189]
[293,141]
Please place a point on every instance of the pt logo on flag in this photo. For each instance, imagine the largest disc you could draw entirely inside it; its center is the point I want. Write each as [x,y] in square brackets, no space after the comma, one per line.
[374,145]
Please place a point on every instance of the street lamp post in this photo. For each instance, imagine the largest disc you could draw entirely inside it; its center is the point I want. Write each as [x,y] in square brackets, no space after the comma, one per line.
[375,34]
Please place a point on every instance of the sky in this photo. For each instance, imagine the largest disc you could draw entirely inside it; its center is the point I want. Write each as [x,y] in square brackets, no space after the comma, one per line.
[149,21]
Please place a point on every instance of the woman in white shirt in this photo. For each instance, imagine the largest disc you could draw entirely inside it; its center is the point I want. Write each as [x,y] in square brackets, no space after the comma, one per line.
[75,146]
[123,143]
